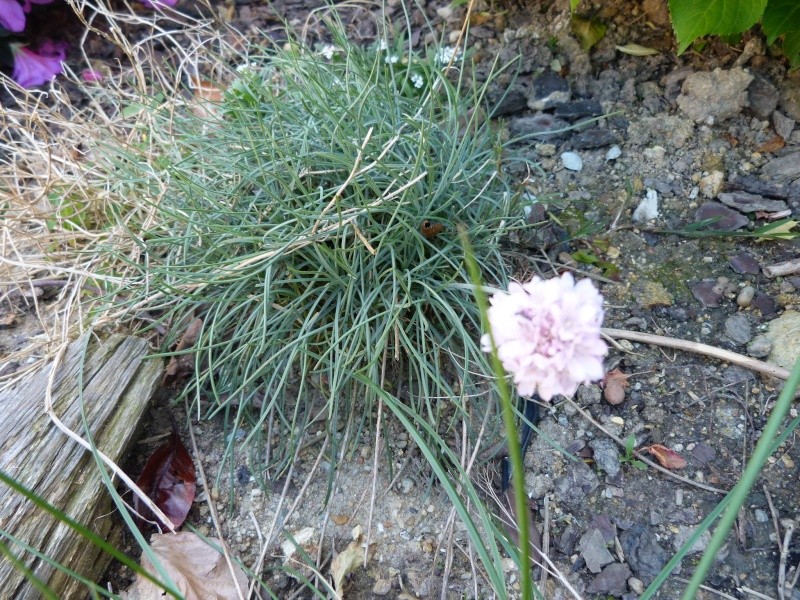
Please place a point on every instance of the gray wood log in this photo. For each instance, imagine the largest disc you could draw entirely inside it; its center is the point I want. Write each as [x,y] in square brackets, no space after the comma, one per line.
[117,385]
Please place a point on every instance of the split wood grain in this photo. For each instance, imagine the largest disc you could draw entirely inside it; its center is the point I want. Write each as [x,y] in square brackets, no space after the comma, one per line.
[118,382]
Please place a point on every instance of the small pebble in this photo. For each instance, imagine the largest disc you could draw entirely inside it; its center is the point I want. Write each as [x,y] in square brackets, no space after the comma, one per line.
[571,161]
[636,585]
[745,296]
[613,153]
[382,587]
[760,347]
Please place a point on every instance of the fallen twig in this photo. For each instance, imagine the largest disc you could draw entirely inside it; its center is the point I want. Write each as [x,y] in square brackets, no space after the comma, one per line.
[753,364]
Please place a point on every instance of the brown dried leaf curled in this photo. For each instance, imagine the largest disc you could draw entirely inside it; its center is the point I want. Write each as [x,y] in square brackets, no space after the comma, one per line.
[668,458]
[169,480]
[181,366]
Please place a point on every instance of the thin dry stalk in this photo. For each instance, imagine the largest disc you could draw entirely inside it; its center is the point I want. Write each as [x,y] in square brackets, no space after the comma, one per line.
[585,414]
[213,509]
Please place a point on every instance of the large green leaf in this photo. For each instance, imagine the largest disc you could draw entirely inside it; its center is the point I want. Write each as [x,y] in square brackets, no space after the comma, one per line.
[692,19]
[780,17]
[791,47]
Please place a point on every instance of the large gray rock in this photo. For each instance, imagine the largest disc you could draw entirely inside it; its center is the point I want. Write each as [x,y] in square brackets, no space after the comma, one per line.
[784,333]
[714,96]
[783,169]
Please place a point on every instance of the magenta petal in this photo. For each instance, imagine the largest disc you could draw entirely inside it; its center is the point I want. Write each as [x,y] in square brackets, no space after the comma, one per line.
[27,4]
[32,69]
[157,3]
[12,17]
[91,75]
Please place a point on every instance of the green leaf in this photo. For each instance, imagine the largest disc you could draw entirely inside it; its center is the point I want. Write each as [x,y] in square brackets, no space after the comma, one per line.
[692,19]
[780,230]
[639,465]
[791,47]
[573,5]
[630,442]
[781,17]
[588,31]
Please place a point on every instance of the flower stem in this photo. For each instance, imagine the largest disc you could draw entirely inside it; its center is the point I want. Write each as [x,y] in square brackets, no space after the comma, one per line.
[507,406]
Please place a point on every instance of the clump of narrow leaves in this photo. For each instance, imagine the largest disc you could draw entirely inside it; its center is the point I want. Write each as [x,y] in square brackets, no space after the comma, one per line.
[310,220]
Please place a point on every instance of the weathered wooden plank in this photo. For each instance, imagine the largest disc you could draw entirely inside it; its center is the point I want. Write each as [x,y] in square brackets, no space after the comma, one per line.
[117,385]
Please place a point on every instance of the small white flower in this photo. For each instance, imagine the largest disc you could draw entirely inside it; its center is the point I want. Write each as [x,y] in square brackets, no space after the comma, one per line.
[328,50]
[416,80]
[446,53]
[391,59]
[245,67]
[384,45]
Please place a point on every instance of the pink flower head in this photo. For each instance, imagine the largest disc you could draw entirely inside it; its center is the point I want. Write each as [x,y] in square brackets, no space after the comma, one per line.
[35,68]
[12,16]
[547,334]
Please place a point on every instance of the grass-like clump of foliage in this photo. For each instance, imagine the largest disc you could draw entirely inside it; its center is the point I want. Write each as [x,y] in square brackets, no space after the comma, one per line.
[311,221]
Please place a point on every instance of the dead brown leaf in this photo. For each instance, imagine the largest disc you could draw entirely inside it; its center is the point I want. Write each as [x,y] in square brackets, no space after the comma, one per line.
[669,459]
[728,137]
[181,366]
[479,18]
[349,559]
[771,145]
[198,570]
[340,519]
[7,319]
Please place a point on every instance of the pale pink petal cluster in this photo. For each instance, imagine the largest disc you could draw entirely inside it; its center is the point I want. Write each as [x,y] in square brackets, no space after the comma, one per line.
[547,334]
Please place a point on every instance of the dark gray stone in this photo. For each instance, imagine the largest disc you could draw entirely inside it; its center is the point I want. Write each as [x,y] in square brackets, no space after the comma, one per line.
[513,102]
[738,329]
[727,219]
[606,455]
[753,185]
[593,138]
[542,126]
[548,89]
[578,108]
[765,303]
[763,97]
[594,550]
[745,202]
[643,552]
[702,453]
[611,580]
[578,482]
[707,293]
[783,169]
[744,263]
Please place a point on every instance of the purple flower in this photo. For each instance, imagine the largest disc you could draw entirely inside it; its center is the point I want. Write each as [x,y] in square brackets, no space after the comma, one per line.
[547,334]
[12,15]
[159,3]
[27,4]
[32,68]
